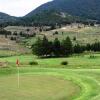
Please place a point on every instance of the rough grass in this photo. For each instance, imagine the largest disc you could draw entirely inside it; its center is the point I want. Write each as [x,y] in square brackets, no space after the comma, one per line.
[83,35]
[8,47]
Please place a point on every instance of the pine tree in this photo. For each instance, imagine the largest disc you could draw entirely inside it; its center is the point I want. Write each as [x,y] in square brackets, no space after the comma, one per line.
[67,47]
[37,48]
[42,47]
[88,47]
[46,46]
[95,46]
[79,49]
[56,47]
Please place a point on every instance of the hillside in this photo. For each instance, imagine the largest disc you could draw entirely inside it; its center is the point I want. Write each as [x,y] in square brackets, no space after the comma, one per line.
[5,18]
[58,11]
[51,17]
[83,8]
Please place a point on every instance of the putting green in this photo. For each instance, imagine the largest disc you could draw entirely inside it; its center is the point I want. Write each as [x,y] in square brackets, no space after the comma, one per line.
[37,87]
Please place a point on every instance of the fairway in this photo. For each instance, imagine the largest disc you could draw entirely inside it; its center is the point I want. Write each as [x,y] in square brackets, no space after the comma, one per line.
[82,61]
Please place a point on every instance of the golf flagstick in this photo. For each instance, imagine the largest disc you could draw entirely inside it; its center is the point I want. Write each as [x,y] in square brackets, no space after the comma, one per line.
[18,74]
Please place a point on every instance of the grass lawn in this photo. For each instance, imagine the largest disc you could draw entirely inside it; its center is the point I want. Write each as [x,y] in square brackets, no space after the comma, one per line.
[49,80]
[50,84]
[76,62]
[36,87]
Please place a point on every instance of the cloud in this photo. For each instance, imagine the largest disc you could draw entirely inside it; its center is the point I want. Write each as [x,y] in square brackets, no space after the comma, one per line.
[19,7]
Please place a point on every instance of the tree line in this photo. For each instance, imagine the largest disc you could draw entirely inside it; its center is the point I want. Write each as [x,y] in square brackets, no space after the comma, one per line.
[45,48]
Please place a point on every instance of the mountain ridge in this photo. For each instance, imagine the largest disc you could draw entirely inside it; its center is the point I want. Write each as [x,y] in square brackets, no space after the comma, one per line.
[82,8]
[58,11]
[6,18]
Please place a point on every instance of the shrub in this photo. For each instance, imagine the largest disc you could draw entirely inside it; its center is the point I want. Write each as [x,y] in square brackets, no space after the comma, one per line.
[92,57]
[13,38]
[33,63]
[74,38]
[64,63]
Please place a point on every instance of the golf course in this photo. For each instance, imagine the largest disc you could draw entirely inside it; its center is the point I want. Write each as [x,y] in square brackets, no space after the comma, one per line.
[49,49]
[49,80]
[25,76]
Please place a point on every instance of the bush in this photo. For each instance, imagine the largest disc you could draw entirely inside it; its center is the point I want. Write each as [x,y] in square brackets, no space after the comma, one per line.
[33,63]
[64,63]
[74,38]
[13,38]
[92,57]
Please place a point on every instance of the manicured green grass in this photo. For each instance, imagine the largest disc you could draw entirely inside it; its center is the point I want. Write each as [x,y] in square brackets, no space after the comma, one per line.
[50,84]
[76,61]
[49,80]
[36,87]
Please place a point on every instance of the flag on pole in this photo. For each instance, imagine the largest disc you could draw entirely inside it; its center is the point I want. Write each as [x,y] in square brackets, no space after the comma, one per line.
[17,62]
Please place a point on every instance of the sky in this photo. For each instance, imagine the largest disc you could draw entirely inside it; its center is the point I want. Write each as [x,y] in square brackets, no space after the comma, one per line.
[19,7]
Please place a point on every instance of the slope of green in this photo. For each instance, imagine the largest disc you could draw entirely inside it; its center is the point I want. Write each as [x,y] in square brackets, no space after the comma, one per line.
[88,81]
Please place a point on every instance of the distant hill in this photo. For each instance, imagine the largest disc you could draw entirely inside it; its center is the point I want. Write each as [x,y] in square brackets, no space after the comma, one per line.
[58,11]
[51,16]
[5,18]
[88,9]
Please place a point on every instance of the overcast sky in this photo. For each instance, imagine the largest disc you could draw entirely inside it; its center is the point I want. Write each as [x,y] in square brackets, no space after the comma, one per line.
[19,7]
